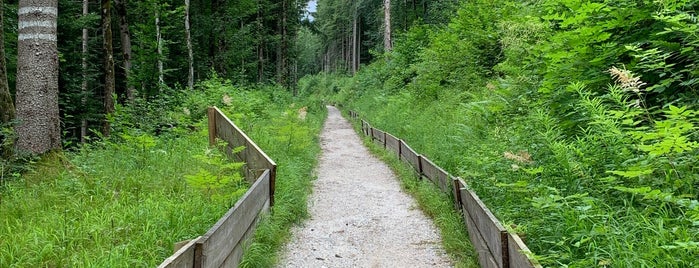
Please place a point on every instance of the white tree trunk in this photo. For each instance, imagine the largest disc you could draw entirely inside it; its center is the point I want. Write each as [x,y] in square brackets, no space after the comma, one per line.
[159,39]
[388,46]
[83,87]
[39,129]
[190,54]
[355,40]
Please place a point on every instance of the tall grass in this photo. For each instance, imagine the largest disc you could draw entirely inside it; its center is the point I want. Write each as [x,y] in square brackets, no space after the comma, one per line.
[106,205]
[124,201]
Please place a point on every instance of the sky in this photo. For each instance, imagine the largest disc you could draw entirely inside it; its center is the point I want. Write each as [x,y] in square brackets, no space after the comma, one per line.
[311,8]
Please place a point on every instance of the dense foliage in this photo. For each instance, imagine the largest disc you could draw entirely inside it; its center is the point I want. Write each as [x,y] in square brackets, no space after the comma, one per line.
[124,201]
[575,121]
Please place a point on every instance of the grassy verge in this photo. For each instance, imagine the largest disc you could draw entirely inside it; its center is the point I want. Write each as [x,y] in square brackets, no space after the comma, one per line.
[434,203]
[106,205]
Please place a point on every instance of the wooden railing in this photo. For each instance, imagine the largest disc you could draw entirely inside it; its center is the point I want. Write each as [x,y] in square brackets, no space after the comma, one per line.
[496,247]
[223,245]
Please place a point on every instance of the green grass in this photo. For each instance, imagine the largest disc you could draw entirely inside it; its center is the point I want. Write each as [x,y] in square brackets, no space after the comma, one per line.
[106,205]
[124,202]
[437,205]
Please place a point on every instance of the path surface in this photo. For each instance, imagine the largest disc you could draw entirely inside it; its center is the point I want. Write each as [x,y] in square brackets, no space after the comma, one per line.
[359,215]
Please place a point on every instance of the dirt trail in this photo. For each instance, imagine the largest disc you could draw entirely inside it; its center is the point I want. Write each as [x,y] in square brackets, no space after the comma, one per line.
[359,215]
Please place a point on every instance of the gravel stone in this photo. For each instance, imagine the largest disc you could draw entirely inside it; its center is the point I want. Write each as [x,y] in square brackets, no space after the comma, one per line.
[360,217]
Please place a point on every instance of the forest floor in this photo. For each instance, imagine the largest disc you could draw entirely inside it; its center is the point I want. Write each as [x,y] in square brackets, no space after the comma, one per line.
[360,217]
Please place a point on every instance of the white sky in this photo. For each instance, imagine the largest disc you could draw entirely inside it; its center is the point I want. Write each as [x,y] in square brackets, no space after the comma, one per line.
[311,8]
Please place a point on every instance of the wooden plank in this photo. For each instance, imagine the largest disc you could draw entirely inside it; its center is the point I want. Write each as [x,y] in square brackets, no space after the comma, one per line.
[517,249]
[183,257]
[379,136]
[256,160]
[409,155]
[490,228]
[436,174]
[222,238]
[485,257]
[234,258]
[393,143]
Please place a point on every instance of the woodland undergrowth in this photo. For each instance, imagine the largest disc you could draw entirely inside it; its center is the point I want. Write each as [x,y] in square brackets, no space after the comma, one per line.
[575,122]
[123,201]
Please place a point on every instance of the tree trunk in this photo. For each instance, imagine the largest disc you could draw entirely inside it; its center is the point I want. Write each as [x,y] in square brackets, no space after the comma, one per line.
[354,40]
[190,54]
[387,26]
[120,6]
[260,46]
[109,80]
[159,39]
[83,87]
[7,107]
[38,130]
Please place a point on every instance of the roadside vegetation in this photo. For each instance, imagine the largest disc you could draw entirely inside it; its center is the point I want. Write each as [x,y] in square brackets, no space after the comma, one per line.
[124,201]
[575,122]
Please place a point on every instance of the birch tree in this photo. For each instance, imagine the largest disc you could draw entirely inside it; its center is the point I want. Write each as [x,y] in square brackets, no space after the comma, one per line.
[387,26]
[190,54]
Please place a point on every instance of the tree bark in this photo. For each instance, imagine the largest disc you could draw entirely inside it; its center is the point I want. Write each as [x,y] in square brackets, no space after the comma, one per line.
[83,87]
[388,46]
[120,6]
[109,80]
[190,54]
[159,39]
[38,130]
[354,40]
[7,107]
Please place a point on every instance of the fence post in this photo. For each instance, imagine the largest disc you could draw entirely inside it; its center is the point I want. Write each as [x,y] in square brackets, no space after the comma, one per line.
[272,182]
[211,112]
[419,165]
[456,185]
[400,149]
[384,140]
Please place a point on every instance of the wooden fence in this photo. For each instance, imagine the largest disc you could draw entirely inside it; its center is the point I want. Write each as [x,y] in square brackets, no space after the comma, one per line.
[496,247]
[223,245]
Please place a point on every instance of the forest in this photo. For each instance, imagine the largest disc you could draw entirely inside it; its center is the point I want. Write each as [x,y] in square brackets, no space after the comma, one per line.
[575,121]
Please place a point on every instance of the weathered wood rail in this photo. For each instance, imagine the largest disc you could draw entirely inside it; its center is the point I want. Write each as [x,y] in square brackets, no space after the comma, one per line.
[496,247]
[223,245]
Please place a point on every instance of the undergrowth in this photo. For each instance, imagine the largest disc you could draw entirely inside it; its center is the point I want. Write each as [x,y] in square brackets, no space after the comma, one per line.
[124,201]
[576,123]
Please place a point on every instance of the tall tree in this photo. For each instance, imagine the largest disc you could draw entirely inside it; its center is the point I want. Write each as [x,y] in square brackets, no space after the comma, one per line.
[159,40]
[7,107]
[38,130]
[387,26]
[83,86]
[190,54]
[109,79]
[120,6]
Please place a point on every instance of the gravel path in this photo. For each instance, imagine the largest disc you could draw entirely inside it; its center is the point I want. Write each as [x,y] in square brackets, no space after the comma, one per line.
[359,215]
